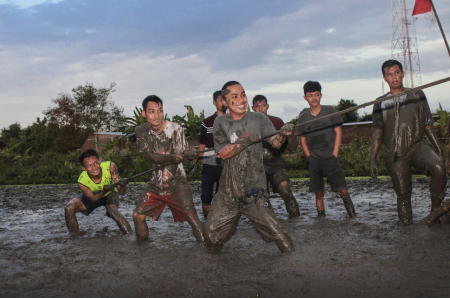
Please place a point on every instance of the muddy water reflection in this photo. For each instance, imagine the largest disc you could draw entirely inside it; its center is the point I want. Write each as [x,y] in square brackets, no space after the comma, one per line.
[370,255]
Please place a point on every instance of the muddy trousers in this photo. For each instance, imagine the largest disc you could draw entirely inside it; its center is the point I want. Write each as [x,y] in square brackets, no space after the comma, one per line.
[226,212]
[424,159]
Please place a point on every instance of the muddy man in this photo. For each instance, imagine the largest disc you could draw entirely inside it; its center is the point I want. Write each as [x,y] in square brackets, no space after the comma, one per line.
[242,190]
[95,183]
[163,141]
[401,124]
[273,164]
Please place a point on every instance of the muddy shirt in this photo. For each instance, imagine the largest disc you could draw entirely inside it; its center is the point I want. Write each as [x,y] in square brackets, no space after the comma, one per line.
[272,156]
[414,116]
[244,172]
[320,135]
[171,140]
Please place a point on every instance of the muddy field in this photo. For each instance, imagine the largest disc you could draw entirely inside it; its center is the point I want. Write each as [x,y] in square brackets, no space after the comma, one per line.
[369,256]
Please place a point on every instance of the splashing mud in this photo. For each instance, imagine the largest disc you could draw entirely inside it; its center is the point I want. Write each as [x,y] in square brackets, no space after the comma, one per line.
[370,255]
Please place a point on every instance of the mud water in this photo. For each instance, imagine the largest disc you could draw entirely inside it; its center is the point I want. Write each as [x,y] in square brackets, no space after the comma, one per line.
[368,256]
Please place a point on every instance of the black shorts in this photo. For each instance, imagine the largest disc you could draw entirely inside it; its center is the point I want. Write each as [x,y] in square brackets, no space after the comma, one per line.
[275,175]
[330,167]
[111,199]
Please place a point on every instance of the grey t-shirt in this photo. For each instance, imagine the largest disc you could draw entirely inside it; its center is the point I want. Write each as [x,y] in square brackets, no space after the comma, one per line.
[414,116]
[320,135]
[244,172]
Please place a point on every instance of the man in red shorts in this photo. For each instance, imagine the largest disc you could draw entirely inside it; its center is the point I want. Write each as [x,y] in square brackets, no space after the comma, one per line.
[164,142]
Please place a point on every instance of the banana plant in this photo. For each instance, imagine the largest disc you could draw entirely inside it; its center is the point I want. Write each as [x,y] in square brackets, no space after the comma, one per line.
[109,146]
[190,122]
[441,125]
[133,122]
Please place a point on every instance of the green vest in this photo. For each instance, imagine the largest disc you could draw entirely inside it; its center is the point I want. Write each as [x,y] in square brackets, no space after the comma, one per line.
[85,180]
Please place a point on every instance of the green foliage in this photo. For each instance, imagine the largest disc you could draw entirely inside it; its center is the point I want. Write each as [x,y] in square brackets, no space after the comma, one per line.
[190,122]
[109,146]
[88,108]
[441,126]
[135,121]
[349,116]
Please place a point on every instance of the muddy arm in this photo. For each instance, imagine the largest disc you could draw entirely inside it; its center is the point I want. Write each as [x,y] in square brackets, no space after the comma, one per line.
[277,140]
[377,135]
[121,183]
[431,134]
[89,194]
[143,146]
[231,150]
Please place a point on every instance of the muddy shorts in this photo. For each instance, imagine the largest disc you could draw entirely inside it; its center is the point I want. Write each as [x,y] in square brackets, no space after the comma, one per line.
[225,213]
[276,175]
[180,203]
[111,199]
[331,168]
[422,158]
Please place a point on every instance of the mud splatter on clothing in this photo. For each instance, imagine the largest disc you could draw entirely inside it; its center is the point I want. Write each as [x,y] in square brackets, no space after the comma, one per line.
[171,140]
[244,172]
[414,115]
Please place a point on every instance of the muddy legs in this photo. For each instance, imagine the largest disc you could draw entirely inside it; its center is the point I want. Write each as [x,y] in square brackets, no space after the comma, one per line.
[197,227]
[205,209]
[348,204]
[140,226]
[319,203]
[289,200]
[74,206]
[404,208]
[285,244]
[121,221]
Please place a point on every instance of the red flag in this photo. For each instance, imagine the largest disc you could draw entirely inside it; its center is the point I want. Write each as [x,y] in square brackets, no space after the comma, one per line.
[421,6]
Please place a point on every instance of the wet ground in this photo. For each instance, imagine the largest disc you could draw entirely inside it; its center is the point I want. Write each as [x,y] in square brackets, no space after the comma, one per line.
[369,256]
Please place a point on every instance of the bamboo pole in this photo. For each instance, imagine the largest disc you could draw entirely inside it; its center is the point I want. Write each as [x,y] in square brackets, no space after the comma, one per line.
[440,27]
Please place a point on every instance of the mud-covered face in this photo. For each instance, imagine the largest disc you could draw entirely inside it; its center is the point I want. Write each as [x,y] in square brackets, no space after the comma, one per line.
[92,166]
[261,107]
[154,113]
[394,77]
[313,98]
[236,101]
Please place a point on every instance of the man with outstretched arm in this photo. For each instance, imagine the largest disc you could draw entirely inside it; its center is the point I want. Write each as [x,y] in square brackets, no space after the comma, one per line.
[212,165]
[164,142]
[242,190]
[96,184]
[273,164]
[401,123]
[321,141]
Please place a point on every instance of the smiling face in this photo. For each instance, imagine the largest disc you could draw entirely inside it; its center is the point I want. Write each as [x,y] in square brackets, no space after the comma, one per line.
[394,78]
[91,165]
[313,99]
[261,107]
[236,101]
[154,113]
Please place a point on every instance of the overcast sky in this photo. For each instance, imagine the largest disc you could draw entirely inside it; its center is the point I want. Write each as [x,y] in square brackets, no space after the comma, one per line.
[183,51]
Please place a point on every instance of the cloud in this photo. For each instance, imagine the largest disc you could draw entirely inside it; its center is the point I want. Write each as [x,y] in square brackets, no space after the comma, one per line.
[184,51]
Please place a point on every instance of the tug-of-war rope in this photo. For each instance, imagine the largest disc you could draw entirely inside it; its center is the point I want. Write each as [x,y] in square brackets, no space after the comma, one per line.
[426,221]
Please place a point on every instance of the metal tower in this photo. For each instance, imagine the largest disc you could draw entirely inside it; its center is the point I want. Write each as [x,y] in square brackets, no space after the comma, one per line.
[404,42]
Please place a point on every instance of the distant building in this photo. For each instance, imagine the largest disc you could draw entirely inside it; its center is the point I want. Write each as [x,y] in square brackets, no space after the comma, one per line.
[104,137]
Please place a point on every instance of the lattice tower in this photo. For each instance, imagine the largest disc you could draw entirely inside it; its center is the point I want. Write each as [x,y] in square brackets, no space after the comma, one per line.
[404,42]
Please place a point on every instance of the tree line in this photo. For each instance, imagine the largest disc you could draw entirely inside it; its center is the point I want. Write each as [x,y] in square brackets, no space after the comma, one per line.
[71,119]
